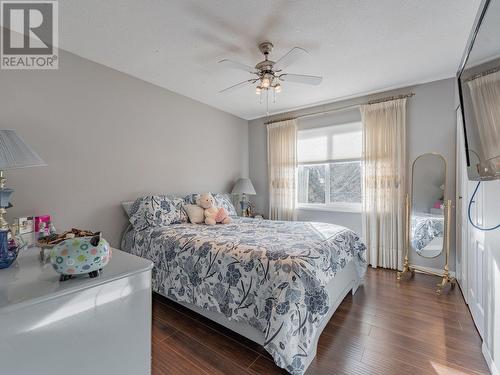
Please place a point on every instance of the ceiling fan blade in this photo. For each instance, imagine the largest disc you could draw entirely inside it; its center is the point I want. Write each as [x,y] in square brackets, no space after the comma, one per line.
[238,85]
[289,58]
[237,65]
[300,78]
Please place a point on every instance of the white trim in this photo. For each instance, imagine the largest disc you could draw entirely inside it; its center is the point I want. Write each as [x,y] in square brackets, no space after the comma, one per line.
[329,161]
[332,207]
[489,361]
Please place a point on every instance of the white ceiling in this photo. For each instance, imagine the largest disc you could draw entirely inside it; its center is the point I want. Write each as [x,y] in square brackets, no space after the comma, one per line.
[486,43]
[359,46]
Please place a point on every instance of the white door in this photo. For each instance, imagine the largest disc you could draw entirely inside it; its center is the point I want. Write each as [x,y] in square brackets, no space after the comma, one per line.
[476,259]
[470,256]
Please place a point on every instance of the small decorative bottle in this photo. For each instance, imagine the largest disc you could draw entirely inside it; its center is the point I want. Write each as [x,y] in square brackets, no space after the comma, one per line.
[41,230]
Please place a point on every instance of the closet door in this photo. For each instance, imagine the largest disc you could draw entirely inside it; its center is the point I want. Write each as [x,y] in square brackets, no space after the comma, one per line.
[476,259]
[470,254]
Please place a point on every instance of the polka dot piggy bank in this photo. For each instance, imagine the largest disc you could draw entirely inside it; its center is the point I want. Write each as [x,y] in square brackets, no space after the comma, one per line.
[81,255]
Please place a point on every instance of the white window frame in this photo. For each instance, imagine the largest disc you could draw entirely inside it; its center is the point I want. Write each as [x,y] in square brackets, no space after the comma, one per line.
[329,206]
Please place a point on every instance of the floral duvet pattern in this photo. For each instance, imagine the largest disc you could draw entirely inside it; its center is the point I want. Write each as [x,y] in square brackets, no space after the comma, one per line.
[269,274]
[424,228]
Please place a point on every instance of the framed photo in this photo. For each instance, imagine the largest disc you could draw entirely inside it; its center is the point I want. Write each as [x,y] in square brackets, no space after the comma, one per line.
[25,224]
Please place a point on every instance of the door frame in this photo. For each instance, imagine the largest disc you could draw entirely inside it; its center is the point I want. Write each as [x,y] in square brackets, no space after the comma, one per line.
[462,222]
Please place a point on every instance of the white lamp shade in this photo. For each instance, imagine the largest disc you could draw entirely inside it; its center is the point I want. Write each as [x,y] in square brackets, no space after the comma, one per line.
[14,153]
[244,186]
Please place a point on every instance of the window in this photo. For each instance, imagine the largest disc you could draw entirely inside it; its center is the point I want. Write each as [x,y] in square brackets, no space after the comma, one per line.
[329,173]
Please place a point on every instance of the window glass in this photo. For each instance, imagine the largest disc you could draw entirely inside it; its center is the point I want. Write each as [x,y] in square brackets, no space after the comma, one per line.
[345,182]
[312,183]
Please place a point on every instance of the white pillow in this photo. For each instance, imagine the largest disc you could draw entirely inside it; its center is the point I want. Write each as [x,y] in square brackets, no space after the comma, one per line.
[195,213]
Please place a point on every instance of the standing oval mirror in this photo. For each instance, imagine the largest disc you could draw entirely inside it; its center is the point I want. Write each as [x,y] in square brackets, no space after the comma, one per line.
[427,219]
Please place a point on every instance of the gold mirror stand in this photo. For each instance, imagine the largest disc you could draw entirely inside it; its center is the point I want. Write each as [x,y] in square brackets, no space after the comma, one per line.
[409,269]
[446,274]
[406,263]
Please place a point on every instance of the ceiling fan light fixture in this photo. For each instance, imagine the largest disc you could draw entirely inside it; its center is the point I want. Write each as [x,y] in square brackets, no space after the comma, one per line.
[266,82]
[268,74]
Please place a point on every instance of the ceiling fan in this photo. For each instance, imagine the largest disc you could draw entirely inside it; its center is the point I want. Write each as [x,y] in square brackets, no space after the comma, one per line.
[269,73]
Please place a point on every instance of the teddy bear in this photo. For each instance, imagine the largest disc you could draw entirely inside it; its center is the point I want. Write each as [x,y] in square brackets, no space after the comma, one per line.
[213,214]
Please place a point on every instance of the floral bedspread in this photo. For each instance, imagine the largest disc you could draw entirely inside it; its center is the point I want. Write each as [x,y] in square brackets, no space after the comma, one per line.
[424,228]
[269,274]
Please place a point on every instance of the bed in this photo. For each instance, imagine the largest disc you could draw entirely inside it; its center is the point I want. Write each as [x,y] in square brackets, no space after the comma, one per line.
[427,233]
[276,283]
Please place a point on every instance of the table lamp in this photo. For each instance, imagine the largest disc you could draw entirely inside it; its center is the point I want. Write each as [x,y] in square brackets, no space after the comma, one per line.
[244,187]
[14,154]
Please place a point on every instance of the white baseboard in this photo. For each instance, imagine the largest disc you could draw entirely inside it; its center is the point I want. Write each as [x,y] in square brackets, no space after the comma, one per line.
[487,356]
[433,270]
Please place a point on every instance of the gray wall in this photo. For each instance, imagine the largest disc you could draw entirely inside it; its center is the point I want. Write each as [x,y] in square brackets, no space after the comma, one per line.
[430,128]
[108,137]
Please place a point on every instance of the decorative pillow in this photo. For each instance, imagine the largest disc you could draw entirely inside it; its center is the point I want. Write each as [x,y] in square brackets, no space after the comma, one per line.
[191,198]
[195,213]
[224,200]
[157,211]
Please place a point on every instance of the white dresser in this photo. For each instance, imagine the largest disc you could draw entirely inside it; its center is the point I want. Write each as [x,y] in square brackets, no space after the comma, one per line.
[80,326]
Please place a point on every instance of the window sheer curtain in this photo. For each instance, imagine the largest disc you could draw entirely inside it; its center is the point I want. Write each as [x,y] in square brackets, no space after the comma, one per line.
[384,182]
[282,166]
[485,95]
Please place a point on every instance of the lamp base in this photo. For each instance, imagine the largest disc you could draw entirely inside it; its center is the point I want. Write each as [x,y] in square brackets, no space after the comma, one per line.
[8,252]
[244,208]
[244,205]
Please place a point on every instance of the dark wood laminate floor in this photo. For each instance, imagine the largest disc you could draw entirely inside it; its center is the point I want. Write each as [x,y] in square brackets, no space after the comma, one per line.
[385,328]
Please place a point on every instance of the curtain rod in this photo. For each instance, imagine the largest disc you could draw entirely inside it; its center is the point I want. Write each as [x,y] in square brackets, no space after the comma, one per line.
[482,74]
[375,101]
[389,98]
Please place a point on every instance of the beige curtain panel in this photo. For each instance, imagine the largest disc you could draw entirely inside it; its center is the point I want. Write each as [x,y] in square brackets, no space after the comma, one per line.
[485,95]
[384,182]
[282,166]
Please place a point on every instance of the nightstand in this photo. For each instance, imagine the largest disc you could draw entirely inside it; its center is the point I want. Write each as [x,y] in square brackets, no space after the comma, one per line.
[80,326]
